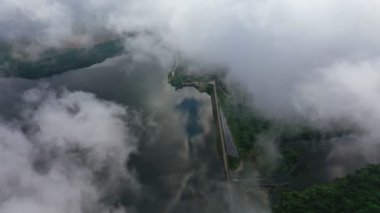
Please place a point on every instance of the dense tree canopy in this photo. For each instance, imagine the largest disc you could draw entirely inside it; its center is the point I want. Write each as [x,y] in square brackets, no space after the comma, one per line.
[359,192]
[55,62]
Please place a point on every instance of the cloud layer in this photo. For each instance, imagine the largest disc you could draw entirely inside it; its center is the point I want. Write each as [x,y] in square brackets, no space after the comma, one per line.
[270,46]
[318,60]
[54,155]
[347,93]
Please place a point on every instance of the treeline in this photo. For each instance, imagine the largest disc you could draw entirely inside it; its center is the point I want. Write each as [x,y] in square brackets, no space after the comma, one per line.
[53,62]
[359,192]
[244,123]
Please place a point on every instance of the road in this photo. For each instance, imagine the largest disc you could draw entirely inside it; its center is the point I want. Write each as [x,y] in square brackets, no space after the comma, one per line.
[231,149]
[223,132]
[219,129]
[228,146]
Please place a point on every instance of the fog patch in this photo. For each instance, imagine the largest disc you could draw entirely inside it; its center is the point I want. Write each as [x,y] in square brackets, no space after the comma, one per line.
[346,94]
[54,155]
[267,154]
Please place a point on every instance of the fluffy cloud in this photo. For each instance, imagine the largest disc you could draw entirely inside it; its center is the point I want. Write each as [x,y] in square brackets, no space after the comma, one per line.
[322,51]
[346,93]
[54,156]
[344,89]
[268,45]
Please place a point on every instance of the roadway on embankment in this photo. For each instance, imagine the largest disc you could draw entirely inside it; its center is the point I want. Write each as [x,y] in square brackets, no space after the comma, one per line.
[219,124]
[219,129]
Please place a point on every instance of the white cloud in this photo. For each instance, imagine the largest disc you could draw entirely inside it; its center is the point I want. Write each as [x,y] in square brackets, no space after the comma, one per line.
[346,93]
[268,45]
[50,157]
[271,47]
[343,90]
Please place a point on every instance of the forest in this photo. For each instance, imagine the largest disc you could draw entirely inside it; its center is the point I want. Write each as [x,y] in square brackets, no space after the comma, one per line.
[358,192]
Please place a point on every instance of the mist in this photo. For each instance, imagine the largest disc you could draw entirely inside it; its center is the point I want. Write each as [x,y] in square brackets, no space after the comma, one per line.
[165,160]
[271,47]
[51,154]
[317,62]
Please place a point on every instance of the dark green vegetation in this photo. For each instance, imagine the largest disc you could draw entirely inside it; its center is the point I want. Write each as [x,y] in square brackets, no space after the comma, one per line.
[359,192]
[288,164]
[243,122]
[292,133]
[182,77]
[247,125]
[55,62]
[355,193]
